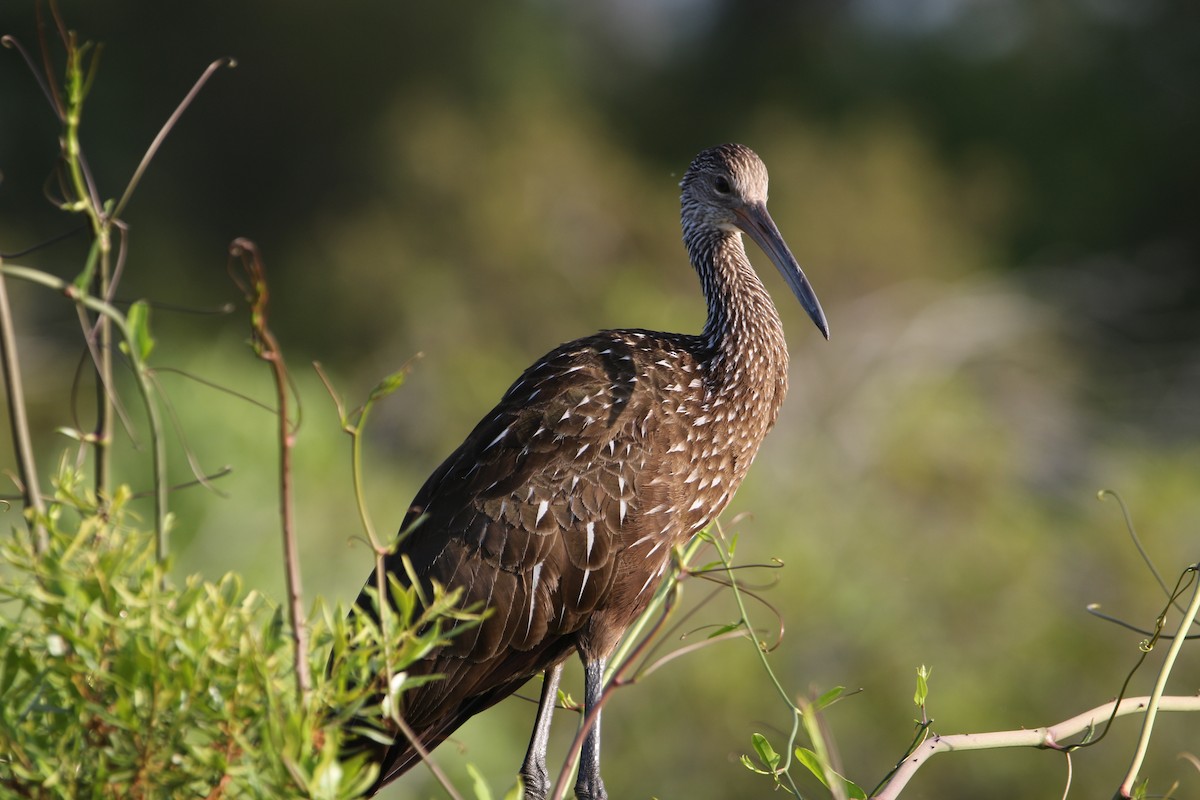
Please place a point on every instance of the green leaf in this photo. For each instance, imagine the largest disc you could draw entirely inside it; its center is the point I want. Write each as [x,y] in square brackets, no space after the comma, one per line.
[766,753]
[828,698]
[812,763]
[922,692]
[478,785]
[138,323]
[388,385]
[732,626]
[748,764]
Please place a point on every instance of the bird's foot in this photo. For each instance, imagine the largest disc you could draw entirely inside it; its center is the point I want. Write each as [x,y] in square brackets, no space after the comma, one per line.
[590,787]
[536,782]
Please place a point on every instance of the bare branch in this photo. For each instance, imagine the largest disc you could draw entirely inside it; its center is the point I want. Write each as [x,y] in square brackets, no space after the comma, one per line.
[1045,738]
[266,347]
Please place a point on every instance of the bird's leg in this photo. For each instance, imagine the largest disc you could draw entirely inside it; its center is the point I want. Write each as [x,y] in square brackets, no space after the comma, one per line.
[588,785]
[533,771]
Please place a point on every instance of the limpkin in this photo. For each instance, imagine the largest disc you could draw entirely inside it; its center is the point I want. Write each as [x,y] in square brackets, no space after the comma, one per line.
[560,510]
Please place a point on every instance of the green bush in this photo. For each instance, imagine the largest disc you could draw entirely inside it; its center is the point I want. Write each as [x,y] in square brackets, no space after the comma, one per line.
[115,682]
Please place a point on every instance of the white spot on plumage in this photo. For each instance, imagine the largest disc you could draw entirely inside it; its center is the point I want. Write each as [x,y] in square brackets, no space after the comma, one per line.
[541,512]
[586,574]
[697,504]
[500,436]
[645,538]
[590,532]
[537,574]
[623,507]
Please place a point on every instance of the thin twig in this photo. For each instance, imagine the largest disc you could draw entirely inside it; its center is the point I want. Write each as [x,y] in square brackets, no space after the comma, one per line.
[205,481]
[355,428]
[181,432]
[43,84]
[86,199]
[266,347]
[167,127]
[782,772]
[618,679]
[141,377]
[425,757]
[19,420]
[1137,541]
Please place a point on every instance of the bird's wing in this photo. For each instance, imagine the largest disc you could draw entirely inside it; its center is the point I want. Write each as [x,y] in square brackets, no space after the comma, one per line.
[527,516]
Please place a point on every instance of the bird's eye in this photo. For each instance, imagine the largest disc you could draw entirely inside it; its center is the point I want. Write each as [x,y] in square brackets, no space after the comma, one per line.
[721,184]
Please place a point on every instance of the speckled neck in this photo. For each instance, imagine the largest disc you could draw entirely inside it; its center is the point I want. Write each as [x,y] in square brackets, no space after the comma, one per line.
[743,329]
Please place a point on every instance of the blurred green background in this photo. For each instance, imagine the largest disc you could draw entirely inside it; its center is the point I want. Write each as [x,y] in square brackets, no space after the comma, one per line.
[996,201]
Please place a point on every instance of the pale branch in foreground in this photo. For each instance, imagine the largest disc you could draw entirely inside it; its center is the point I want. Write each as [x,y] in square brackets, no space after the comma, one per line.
[1047,738]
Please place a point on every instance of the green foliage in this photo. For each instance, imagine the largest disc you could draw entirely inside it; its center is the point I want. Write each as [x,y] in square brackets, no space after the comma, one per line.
[922,693]
[138,322]
[116,682]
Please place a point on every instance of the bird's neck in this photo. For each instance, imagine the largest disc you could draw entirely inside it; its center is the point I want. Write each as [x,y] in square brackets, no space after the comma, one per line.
[743,331]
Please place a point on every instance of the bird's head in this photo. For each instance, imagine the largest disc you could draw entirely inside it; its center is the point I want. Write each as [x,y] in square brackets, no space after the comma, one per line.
[725,188]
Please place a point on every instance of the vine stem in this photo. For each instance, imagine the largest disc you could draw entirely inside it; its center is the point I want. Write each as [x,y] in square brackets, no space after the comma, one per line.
[14,388]
[141,375]
[781,772]
[1156,696]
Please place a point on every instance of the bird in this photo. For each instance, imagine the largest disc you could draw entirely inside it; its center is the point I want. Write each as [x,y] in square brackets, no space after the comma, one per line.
[560,510]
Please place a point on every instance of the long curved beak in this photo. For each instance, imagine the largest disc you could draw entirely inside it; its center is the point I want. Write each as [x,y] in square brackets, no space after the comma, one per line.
[756,223]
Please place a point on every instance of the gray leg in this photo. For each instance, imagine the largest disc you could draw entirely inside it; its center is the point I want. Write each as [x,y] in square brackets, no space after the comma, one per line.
[533,771]
[588,785]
